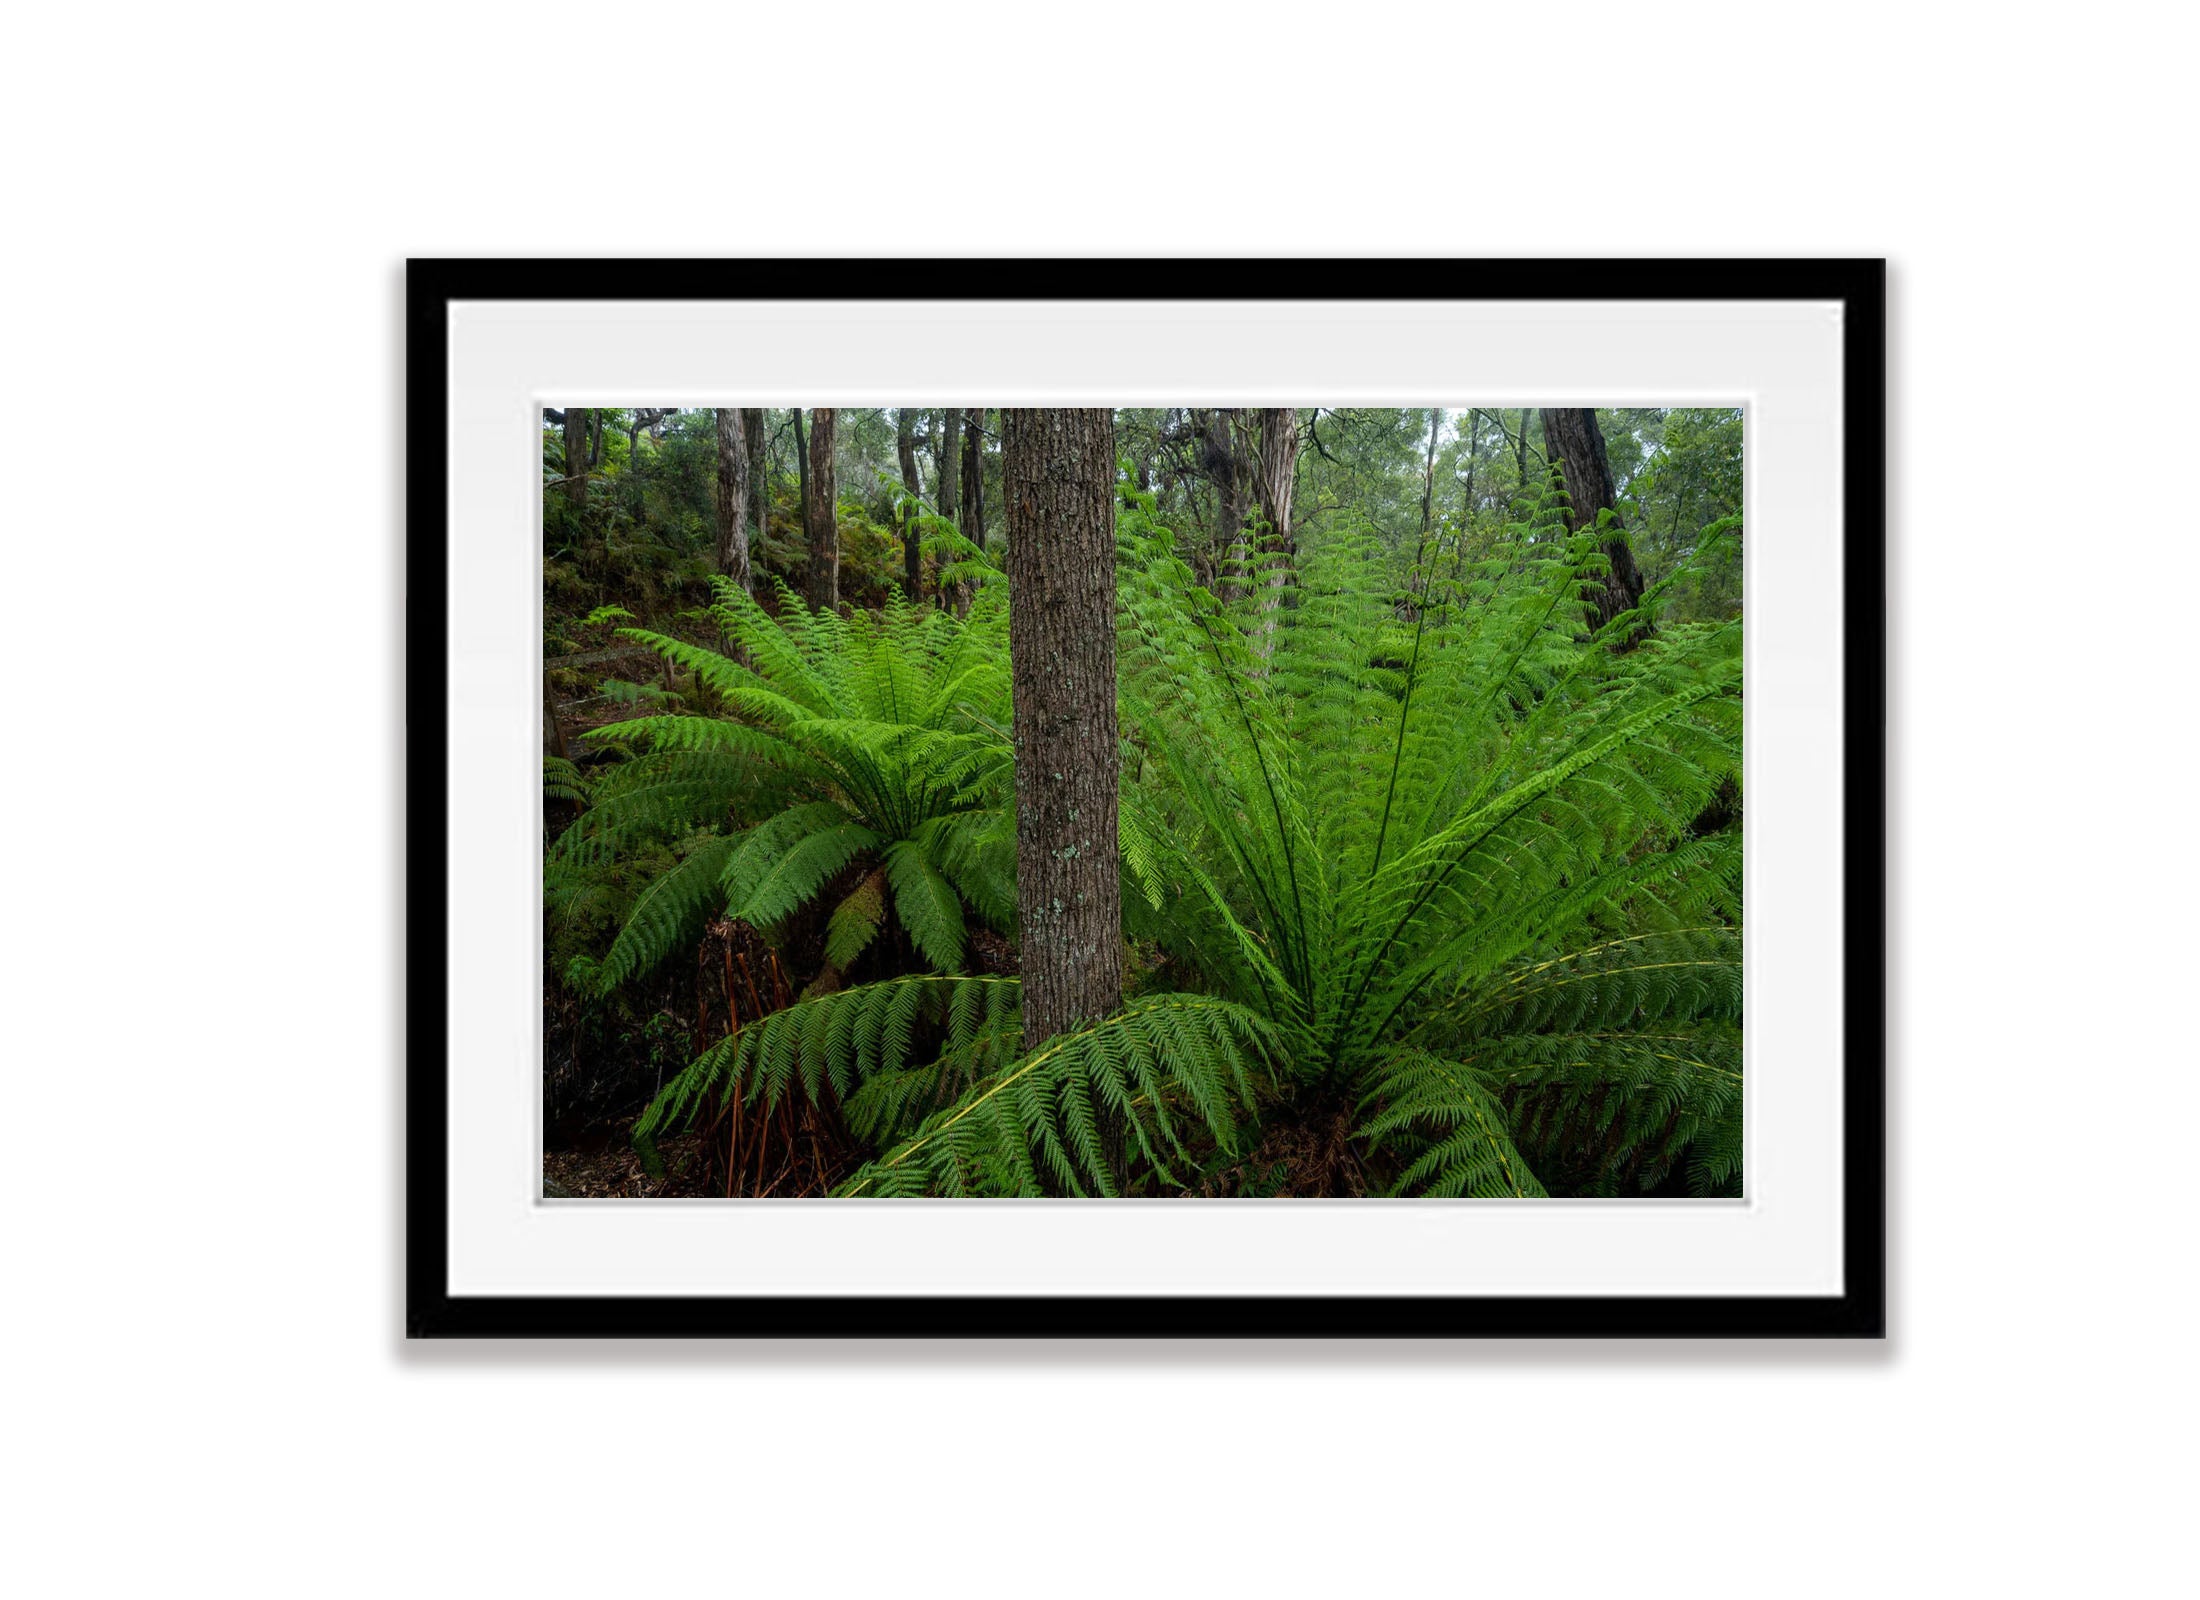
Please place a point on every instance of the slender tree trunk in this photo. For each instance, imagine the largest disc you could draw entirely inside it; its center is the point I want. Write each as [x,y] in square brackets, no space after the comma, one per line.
[752,436]
[576,454]
[1577,444]
[1275,470]
[823,589]
[1058,471]
[973,495]
[1222,459]
[973,477]
[801,478]
[912,549]
[1474,461]
[734,468]
[946,463]
[946,479]
[1428,473]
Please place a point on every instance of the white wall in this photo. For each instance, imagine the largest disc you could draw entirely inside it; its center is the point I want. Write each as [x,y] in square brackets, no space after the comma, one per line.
[207,210]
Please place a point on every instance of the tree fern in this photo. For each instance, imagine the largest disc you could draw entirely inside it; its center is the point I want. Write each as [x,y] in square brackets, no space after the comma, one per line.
[1428,866]
[828,742]
[1440,823]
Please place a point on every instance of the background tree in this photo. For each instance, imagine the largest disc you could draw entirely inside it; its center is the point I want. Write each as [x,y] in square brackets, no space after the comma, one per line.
[1223,461]
[1275,468]
[801,481]
[753,420]
[912,550]
[973,477]
[1577,445]
[822,514]
[1058,472]
[946,450]
[576,454]
[733,496]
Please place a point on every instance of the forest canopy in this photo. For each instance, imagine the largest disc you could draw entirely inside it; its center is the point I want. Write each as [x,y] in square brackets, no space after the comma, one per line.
[1225,803]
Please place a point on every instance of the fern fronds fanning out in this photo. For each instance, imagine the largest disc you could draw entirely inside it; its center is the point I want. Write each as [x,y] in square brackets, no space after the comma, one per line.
[1449,1120]
[823,743]
[561,780]
[1436,819]
[1118,1100]
[834,1042]
[1406,833]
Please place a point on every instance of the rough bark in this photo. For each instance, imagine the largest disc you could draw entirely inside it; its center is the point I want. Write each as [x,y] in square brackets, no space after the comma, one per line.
[973,477]
[946,448]
[912,550]
[801,472]
[1275,468]
[1058,470]
[1222,460]
[576,454]
[1575,442]
[822,590]
[752,434]
[733,496]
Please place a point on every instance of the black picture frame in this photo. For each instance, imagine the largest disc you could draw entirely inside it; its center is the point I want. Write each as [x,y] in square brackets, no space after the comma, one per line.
[1858,1312]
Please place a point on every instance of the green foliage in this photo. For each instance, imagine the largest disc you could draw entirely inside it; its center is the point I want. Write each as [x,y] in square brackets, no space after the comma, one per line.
[1434,829]
[1432,857]
[1429,889]
[833,741]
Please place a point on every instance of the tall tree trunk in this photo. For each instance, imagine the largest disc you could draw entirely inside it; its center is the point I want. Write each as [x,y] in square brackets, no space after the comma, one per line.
[576,454]
[945,463]
[733,496]
[912,549]
[946,476]
[973,477]
[1058,471]
[801,479]
[1428,473]
[1572,437]
[972,497]
[1275,470]
[752,436]
[823,589]
[1222,460]
[1474,461]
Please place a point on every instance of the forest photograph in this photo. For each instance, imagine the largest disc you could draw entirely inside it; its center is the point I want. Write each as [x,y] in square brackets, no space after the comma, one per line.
[1225,803]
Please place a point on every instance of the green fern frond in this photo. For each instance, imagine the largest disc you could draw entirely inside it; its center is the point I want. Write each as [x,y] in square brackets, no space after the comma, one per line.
[1089,1110]
[855,922]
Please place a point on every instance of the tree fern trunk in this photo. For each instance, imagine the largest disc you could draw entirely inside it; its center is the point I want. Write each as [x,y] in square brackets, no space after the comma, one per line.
[822,590]
[1058,471]
[733,496]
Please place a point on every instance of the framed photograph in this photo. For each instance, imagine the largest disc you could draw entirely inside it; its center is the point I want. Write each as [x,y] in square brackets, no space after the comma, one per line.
[1145,798]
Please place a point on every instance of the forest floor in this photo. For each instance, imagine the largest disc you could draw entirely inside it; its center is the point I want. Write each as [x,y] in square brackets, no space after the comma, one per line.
[612,1170]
